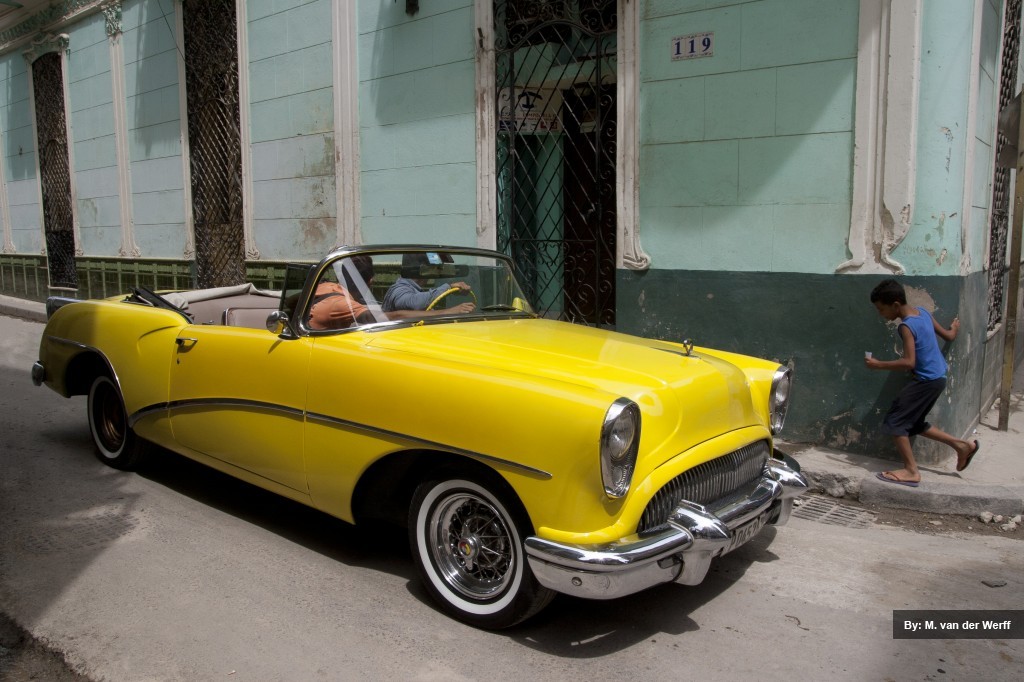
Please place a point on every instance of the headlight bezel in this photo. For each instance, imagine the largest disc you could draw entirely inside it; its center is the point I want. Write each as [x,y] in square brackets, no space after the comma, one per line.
[779,398]
[618,457]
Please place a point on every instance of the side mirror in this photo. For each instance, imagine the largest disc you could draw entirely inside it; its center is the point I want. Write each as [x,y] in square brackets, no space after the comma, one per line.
[277,322]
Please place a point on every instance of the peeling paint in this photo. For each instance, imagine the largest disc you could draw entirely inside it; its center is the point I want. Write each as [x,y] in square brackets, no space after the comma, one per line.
[942,257]
[316,232]
[949,138]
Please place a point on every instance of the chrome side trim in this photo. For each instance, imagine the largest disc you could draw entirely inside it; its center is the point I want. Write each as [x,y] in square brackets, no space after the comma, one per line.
[233,402]
[326,419]
[211,402]
[680,552]
[429,443]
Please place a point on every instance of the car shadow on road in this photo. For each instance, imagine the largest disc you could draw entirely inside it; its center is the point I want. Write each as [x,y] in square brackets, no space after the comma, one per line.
[569,627]
[382,547]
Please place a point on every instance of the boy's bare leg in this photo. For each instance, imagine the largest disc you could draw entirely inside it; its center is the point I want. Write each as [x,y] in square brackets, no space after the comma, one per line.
[962,447]
[909,471]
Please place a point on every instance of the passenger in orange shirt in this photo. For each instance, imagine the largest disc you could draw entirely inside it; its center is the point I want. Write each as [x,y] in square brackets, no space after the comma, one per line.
[338,307]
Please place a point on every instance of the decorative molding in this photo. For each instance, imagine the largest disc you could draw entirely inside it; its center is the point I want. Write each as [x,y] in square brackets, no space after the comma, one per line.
[346,124]
[112,14]
[45,44]
[486,135]
[129,248]
[189,250]
[629,253]
[46,20]
[885,133]
[252,252]
[5,205]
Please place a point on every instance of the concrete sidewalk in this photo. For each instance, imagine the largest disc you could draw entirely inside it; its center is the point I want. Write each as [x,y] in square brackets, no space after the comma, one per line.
[994,482]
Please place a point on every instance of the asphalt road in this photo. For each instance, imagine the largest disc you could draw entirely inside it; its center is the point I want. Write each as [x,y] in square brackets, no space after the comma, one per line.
[181,573]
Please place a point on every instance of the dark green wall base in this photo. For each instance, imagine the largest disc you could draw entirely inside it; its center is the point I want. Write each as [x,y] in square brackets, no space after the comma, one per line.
[821,325]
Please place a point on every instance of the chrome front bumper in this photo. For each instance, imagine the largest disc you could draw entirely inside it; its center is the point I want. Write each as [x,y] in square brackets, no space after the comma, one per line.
[682,552]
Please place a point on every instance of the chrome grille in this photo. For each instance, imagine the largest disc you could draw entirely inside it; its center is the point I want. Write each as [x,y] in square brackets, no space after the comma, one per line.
[707,482]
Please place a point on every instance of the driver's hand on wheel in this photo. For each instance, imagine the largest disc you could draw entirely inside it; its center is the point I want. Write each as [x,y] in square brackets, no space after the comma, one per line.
[461,286]
[467,307]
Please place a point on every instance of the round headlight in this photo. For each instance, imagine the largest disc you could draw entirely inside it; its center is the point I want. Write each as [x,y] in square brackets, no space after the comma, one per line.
[778,399]
[620,436]
[620,441]
[782,389]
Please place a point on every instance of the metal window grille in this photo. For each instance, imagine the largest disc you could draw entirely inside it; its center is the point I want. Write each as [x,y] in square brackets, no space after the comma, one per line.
[54,170]
[211,77]
[556,103]
[999,225]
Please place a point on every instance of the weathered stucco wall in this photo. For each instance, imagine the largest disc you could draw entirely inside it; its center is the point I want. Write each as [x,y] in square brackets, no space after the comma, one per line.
[92,142]
[417,122]
[153,127]
[18,147]
[745,156]
[291,76]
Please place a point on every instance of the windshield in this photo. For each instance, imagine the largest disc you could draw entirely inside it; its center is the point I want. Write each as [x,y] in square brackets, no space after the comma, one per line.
[372,288]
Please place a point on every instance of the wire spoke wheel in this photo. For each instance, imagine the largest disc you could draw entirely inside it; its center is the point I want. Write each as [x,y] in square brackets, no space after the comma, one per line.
[115,443]
[471,545]
[467,539]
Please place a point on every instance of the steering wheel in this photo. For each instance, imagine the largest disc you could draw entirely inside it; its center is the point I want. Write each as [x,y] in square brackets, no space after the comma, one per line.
[453,290]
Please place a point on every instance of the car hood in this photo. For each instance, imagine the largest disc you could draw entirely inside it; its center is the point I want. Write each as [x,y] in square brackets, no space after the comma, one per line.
[701,393]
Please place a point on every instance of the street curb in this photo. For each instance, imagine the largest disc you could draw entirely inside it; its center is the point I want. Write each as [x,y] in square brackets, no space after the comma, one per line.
[23,308]
[931,496]
[945,498]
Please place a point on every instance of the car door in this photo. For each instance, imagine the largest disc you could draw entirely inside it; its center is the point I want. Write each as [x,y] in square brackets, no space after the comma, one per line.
[238,395]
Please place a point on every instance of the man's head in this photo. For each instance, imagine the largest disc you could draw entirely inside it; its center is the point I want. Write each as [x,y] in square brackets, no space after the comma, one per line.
[363,266]
[888,297]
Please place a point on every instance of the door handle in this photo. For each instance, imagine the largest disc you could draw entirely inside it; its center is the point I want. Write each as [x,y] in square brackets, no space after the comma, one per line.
[182,341]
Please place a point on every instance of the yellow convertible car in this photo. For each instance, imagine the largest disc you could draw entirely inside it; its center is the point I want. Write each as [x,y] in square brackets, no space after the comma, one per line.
[527,456]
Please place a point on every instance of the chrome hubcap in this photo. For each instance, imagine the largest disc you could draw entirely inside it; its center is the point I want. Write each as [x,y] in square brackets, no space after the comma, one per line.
[472,546]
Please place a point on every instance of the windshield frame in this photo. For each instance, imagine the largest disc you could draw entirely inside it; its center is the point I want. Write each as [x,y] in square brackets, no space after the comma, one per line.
[301,324]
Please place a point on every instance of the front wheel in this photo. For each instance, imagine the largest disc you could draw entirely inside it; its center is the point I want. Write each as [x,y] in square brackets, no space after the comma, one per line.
[468,547]
[116,443]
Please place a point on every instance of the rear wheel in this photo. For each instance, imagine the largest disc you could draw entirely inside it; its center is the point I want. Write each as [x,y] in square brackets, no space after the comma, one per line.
[115,442]
[468,546]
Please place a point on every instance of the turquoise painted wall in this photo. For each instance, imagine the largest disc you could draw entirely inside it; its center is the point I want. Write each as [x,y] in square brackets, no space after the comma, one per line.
[932,246]
[292,127]
[746,156]
[19,154]
[90,103]
[417,122]
[153,109]
[981,165]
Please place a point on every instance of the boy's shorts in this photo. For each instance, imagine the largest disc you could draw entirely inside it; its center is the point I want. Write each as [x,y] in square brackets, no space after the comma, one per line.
[911,406]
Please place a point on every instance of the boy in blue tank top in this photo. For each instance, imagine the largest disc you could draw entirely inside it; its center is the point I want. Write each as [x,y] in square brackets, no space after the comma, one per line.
[923,358]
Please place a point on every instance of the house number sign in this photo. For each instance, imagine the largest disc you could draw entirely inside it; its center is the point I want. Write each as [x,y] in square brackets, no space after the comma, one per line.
[693,46]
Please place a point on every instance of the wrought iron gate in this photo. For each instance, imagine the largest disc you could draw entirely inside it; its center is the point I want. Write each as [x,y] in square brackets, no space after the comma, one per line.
[999,227]
[211,77]
[54,170]
[556,103]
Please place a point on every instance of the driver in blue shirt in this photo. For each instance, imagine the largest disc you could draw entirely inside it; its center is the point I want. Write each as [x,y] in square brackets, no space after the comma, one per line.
[408,292]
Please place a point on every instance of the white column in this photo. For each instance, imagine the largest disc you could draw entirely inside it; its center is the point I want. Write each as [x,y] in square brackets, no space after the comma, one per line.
[346,124]
[128,248]
[885,133]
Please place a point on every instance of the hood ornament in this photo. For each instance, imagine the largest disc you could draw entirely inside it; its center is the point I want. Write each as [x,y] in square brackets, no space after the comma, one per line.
[688,345]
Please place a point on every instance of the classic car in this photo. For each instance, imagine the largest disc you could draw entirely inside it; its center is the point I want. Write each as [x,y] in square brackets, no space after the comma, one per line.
[527,456]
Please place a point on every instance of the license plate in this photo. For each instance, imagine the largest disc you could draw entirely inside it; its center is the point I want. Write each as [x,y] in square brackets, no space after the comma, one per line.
[747,531]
